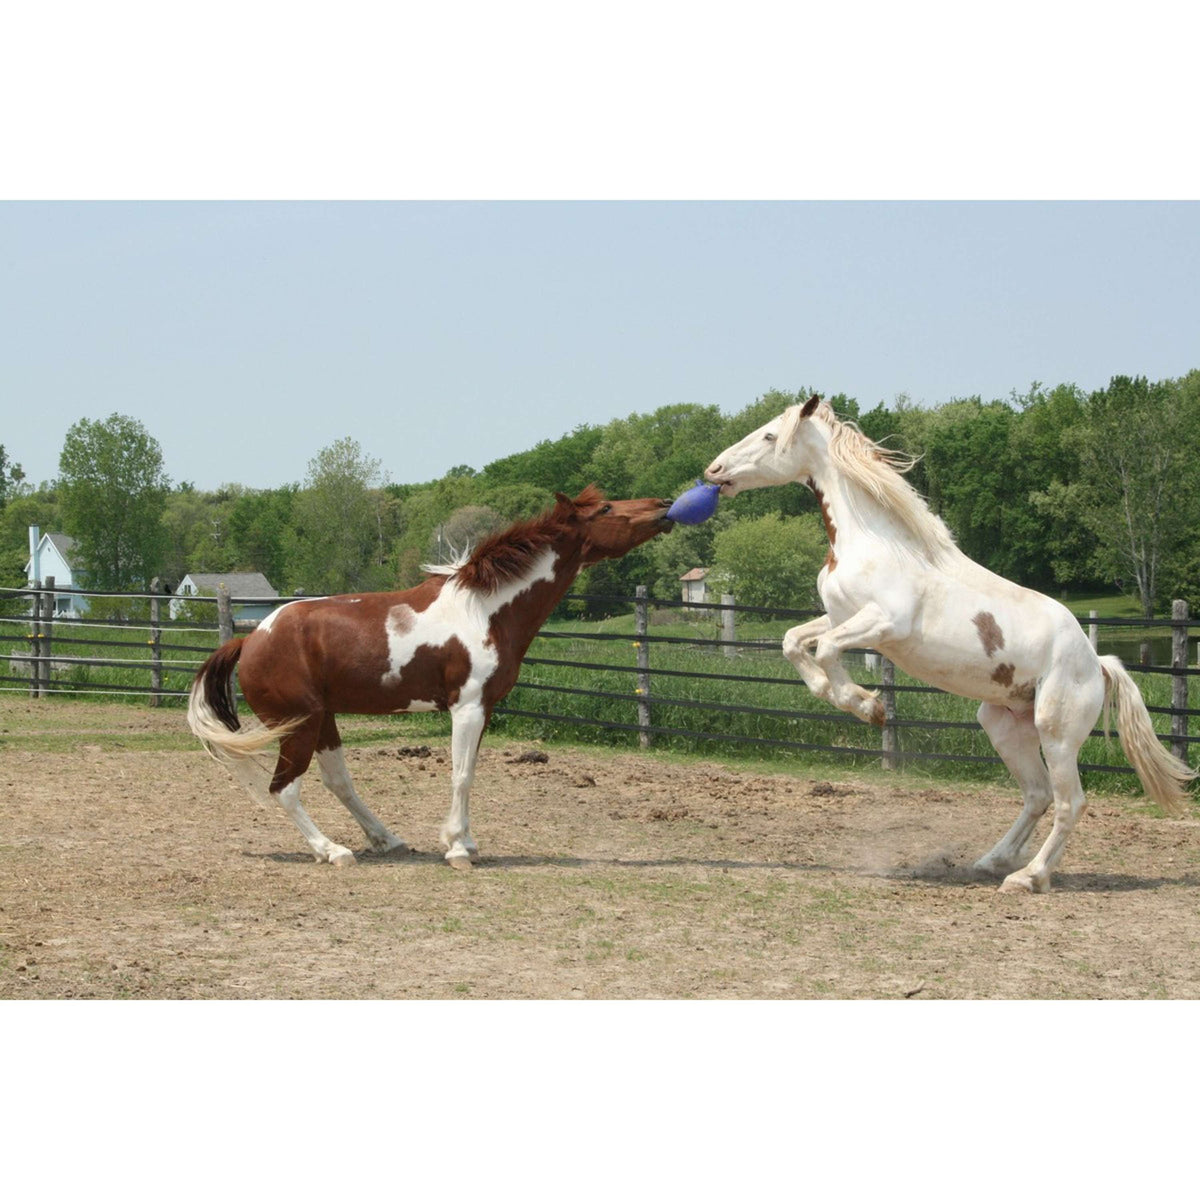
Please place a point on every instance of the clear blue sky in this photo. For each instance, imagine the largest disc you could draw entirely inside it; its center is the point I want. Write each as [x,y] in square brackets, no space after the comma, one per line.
[247,336]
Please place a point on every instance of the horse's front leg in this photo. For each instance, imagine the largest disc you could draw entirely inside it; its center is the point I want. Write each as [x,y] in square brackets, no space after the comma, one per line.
[796,649]
[468,723]
[863,631]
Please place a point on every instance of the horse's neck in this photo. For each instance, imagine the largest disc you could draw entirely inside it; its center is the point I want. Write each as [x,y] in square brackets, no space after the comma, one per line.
[537,596]
[851,514]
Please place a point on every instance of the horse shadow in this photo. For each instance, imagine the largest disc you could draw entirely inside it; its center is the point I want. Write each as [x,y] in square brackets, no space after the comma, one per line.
[938,872]
[413,857]
[942,873]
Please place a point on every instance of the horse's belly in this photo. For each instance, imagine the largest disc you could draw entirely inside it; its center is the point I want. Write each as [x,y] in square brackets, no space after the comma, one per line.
[998,680]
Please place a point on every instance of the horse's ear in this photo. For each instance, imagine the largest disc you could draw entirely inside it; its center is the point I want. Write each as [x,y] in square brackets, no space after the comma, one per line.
[810,406]
[565,509]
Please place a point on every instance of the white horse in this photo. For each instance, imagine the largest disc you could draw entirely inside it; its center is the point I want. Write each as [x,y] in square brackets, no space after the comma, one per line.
[895,582]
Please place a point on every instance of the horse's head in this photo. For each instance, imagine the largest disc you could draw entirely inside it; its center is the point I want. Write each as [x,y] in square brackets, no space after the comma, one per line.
[610,528]
[777,452]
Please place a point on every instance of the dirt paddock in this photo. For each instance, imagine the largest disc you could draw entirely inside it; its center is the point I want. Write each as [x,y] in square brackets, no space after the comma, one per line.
[131,866]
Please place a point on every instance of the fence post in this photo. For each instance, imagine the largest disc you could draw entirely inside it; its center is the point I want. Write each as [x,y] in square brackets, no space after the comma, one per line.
[155,645]
[728,625]
[1093,630]
[1179,679]
[642,625]
[35,639]
[889,734]
[224,613]
[46,637]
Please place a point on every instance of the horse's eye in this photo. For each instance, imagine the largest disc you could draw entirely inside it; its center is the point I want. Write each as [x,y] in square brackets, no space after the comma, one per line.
[606,509]
[770,437]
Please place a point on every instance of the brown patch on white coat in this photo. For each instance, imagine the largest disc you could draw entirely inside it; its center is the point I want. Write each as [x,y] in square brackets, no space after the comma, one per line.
[830,527]
[990,634]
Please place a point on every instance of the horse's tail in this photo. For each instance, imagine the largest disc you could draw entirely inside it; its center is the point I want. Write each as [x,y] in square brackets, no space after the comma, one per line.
[1164,777]
[212,712]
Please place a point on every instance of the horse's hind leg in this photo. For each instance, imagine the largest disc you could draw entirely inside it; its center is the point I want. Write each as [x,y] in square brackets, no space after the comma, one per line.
[1065,714]
[1015,737]
[332,765]
[295,755]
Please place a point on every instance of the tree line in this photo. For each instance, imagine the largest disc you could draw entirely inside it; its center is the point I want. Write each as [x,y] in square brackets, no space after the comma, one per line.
[1056,488]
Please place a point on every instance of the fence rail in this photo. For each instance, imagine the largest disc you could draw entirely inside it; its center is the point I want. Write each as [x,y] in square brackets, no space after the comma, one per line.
[40,653]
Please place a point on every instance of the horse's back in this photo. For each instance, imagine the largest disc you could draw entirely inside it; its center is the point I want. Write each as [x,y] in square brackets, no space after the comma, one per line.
[328,653]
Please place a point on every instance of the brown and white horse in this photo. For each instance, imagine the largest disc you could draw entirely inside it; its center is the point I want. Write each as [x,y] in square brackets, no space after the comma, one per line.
[452,643]
[895,582]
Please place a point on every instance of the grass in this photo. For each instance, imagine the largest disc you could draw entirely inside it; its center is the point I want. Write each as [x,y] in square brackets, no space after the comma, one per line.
[760,698]
[604,692]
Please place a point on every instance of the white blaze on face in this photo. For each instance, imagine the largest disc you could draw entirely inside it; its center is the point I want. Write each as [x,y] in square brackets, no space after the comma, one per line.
[457,613]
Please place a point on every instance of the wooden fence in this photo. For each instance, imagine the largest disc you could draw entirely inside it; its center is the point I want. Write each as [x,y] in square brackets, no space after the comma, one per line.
[155,657]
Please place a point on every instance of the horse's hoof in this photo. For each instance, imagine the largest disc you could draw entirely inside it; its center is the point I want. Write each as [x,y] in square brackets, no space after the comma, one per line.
[985,866]
[460,862]
[1019,882]
[342,858]
[391,846]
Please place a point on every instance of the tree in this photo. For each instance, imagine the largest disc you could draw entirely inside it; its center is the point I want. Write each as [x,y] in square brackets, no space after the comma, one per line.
[657,454]
[11,477]
[197,527]
[519,501]
[113,492]
[28,508]
[685,547]
[553,466]
[258,525]
[772,560]
[462,531]
[337,539]
[972,482]
[421,514]
[1053,545]
[1139,487]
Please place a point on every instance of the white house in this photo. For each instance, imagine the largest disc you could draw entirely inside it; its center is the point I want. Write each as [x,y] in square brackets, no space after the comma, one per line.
[50,558]
[243,586]
[695,587]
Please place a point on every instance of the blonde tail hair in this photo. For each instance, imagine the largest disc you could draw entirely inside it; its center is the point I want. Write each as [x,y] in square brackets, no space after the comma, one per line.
[1164,777]
[212,714]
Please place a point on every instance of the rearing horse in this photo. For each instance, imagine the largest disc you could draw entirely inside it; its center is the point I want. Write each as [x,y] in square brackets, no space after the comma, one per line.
[895,582]
[453,643]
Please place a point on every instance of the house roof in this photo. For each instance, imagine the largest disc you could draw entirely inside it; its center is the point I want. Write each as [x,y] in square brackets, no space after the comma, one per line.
[63,543]
[694,575]
[245,585]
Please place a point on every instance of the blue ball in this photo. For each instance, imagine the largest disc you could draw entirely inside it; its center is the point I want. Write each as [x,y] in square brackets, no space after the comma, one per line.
[696,505]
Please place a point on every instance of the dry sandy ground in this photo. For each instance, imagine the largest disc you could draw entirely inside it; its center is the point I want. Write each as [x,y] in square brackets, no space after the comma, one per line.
[132,866]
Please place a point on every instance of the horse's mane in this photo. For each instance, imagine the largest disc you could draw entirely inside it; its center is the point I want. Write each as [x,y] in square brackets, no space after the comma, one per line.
[507,555]
[879,471]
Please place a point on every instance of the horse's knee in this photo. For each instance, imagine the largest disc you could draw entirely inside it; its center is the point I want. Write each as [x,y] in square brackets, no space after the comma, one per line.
[794,644]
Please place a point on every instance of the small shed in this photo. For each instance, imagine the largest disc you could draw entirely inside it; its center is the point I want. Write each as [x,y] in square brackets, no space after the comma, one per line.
[245,587]
[52,558]
[695,586]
